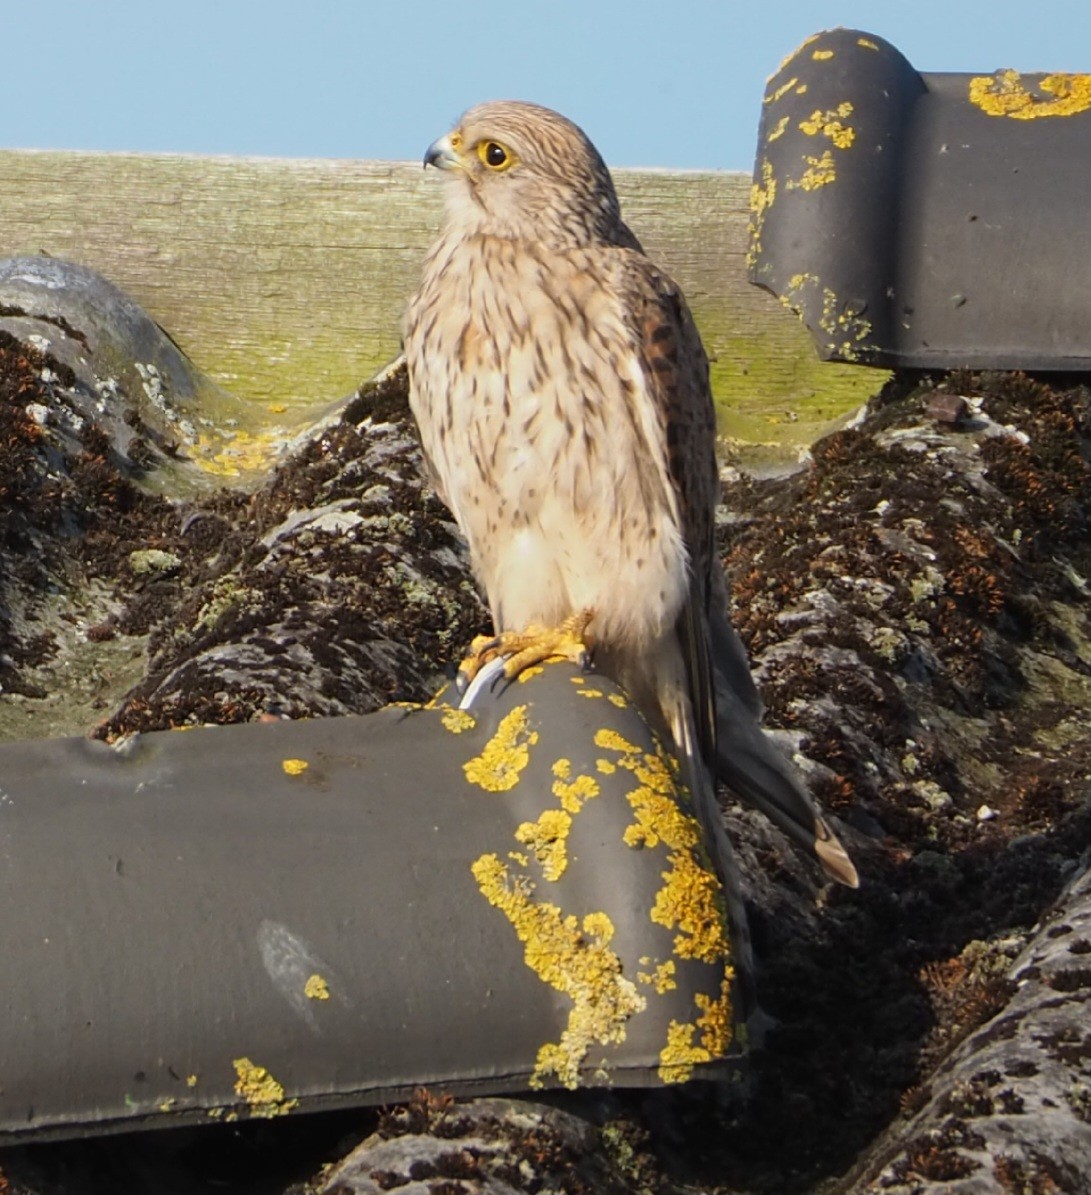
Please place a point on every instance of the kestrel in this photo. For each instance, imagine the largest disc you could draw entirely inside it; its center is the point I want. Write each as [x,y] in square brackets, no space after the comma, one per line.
[561,391]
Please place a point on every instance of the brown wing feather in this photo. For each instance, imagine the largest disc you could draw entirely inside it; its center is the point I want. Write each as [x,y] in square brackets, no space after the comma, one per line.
[676,369]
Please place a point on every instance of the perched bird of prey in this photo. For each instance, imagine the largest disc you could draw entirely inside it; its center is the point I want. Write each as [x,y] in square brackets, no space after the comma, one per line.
[562,396]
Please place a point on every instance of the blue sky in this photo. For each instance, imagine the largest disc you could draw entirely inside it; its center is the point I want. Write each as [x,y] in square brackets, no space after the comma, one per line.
[675,83]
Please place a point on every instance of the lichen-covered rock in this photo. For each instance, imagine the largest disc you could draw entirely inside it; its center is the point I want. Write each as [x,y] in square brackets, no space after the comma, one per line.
[66,484]
[916,605]
[914,608]
[1009,1110]
[489,1147]
[144,396]
[338,586]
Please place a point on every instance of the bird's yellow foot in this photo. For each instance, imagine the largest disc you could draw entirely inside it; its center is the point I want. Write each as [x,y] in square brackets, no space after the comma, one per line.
[534,645]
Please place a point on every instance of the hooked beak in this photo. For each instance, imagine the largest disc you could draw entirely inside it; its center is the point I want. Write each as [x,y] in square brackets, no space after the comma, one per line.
[442,154]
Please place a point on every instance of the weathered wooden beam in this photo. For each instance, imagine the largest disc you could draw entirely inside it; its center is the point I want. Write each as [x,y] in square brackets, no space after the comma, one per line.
[285,280]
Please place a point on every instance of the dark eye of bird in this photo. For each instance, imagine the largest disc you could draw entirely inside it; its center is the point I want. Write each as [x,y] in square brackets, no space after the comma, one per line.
[495,155]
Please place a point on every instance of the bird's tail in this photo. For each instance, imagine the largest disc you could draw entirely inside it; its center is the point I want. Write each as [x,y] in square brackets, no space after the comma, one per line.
[750,764]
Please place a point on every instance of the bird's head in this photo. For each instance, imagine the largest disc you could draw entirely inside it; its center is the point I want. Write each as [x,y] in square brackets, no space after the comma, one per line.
[521,171]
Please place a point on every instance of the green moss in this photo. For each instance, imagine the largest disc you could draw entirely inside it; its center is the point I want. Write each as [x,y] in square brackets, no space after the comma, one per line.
[770,393]
[769,389]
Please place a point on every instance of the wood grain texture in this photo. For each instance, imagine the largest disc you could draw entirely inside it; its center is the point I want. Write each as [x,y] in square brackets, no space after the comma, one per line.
[285,280]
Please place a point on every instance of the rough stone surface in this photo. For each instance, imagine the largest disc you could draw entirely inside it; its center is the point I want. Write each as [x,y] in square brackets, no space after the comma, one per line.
[488,1147]
[1010,1109]
[916,604]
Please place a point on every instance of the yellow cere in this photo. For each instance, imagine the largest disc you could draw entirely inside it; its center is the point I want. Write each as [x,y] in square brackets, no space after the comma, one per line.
[1004,94]
[829,124]
[547,838]
[295,767]
[316,988]
[690,900]
[456,721]
[529,673]
[573,957]
[501,762]
[260,1090]
[680,1055]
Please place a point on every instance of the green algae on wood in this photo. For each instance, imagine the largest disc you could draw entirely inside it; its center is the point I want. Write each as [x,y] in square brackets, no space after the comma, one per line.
[285,280]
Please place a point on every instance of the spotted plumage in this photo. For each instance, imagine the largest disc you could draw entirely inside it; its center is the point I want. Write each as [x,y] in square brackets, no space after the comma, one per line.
[562,395]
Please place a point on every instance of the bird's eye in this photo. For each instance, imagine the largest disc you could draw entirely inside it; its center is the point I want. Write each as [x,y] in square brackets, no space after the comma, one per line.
[495,156]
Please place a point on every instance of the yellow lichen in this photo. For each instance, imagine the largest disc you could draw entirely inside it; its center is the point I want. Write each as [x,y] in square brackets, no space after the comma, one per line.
[661,979]
[822,55]
[846,327]
[781,91]
[231,455]
[715,1022]
[819,173]
[260,1090]
[548,840]
[617,699]
[610,740]
[316,988]
[505,755]
[572,794]
[531,672]
[680,1055]
[572,957]
[191,1080]
[577,680]
[1004,94]
[690,900]
[866,43]
[779,128]
[830,125]
[605,767]
[295,767]
[456,721]
[590,692]
[762,196]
